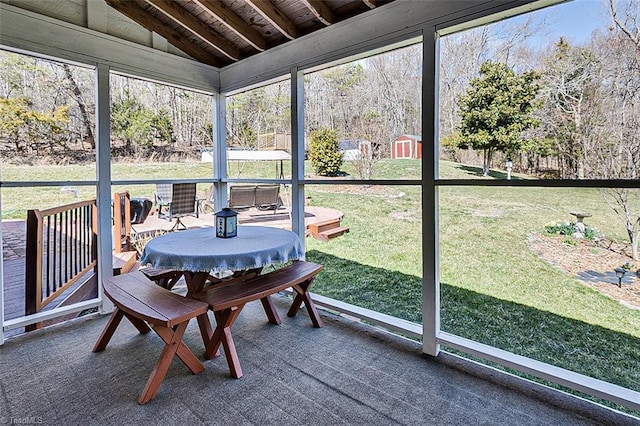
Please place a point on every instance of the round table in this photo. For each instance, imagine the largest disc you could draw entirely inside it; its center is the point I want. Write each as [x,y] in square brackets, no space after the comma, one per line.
[199,250]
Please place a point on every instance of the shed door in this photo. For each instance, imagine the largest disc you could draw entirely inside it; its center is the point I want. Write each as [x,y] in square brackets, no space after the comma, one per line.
[403,149]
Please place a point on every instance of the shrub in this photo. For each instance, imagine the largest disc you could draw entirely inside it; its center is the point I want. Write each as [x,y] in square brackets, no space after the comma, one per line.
[590,233]
[324,153]
[569,229]
[560,228]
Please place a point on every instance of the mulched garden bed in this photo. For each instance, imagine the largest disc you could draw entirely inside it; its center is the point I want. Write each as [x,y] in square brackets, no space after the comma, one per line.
[593,263]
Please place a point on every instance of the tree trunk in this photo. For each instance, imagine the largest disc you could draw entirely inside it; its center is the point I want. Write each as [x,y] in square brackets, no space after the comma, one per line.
[487,162]
[77,96]
[618,200]
[580,168]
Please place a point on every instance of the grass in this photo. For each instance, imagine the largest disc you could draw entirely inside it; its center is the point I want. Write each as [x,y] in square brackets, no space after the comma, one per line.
[493,288]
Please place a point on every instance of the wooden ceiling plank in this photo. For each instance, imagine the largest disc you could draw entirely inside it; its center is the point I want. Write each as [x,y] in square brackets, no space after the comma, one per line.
[234,22]
[371,4]
[275,18]
[132,11]
[320,9]
[197,27]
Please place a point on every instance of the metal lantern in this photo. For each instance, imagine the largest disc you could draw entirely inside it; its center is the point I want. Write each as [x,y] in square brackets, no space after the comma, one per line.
[226,223]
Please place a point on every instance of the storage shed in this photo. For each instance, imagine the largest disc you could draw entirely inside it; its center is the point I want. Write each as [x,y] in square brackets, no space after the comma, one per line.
[353,150]
[406,146]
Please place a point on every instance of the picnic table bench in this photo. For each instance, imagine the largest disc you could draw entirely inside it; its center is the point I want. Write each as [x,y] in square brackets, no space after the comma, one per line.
[226,302]
[148,306]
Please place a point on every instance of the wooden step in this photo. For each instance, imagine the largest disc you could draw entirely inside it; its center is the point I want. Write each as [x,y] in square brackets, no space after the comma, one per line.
[317,227]
[332,233]
[124,262]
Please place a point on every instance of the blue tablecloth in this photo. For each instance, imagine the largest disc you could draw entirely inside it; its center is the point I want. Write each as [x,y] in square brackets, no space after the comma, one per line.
[199,250]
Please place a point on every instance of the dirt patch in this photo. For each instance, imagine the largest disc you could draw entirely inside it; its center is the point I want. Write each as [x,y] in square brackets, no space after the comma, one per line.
[593,263]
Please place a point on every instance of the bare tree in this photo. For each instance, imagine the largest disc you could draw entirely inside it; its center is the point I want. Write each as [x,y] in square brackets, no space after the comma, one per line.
[82,106]
[570,88]
[626,203]
[629,23]
[623,50]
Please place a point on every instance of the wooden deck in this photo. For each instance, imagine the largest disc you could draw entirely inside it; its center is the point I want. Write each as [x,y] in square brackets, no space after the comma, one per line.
[13,254]
[251,216]
[14,231]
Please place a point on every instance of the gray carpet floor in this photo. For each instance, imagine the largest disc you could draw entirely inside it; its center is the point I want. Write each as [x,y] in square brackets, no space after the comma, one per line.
[345,373]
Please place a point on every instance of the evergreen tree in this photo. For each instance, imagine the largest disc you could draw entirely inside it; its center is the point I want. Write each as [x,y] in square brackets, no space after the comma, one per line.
[137,125]
[496,110]
[25,127]
[324,153]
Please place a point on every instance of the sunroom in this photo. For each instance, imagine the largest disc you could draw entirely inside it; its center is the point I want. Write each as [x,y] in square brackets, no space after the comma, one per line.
[450,300]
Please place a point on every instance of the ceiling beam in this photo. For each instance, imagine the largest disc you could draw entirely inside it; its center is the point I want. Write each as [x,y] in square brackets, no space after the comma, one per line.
[198,28]
[275,18]
[233,22]
[371,4]
[132,11]
[320,9]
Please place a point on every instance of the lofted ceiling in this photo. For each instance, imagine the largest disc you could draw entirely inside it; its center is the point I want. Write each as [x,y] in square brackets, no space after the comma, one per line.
[221,32]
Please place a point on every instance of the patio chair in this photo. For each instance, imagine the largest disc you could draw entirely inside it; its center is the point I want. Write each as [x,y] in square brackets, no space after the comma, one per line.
[242,197]
[162,197]
[183,202]
[268,197]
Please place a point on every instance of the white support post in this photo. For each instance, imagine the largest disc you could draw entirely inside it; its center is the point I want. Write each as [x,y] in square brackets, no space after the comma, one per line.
[1,283]
[430,231]
[103,163]
[298,149]
[220,151]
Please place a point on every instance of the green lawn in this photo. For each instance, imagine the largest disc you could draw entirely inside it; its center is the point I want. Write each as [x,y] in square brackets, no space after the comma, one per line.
[493,288]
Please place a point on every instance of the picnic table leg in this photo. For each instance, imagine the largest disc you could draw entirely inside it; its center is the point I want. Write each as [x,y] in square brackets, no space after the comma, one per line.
[270,310]
[222,335]
[163,363]
[205,330]
[302,295]
[184,353]
[195,283]
[267,303]
[110,328]
[108,331]
[142,327]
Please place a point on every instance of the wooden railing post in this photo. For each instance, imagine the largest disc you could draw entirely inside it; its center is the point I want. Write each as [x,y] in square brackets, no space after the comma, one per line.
[121,222]
[94,235]
[33,265]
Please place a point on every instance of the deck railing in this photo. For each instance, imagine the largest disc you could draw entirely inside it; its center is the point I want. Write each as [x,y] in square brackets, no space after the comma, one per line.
[61,248]
[122,222]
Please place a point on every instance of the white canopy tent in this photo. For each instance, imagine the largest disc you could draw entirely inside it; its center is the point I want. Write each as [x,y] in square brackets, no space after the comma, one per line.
[251,155]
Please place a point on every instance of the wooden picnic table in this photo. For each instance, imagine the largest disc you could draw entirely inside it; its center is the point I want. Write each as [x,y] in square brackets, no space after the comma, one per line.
[204,258]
